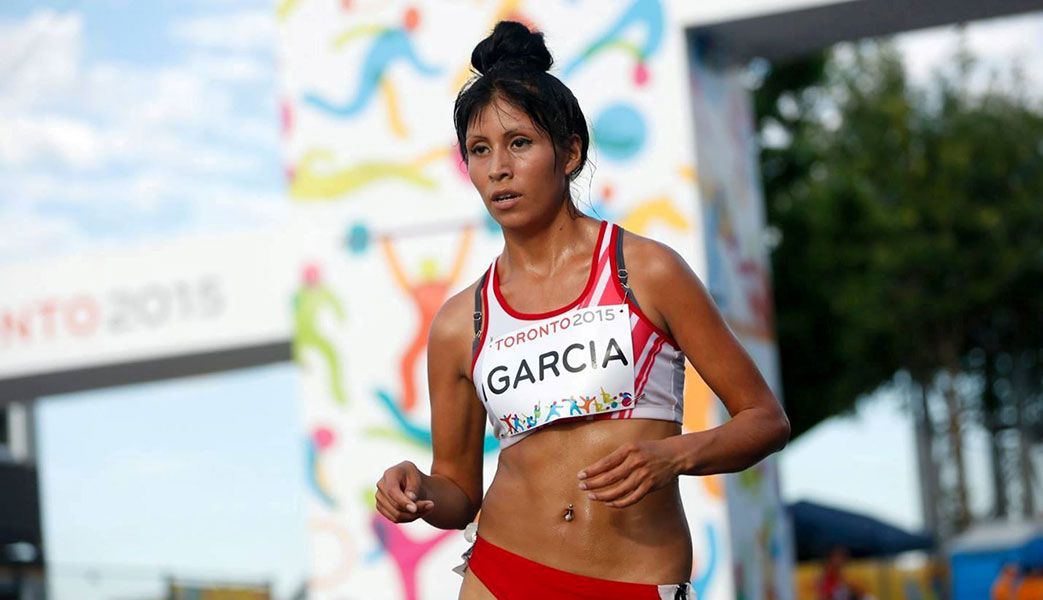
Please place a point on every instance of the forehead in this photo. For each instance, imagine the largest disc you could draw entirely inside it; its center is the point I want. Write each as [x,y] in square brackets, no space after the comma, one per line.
[497,117]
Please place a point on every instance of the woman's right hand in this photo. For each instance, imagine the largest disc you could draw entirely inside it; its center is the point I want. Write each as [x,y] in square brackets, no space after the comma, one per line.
[400,494]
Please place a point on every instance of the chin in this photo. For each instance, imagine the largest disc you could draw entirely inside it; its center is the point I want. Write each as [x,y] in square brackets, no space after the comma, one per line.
[523,216]
[517,220]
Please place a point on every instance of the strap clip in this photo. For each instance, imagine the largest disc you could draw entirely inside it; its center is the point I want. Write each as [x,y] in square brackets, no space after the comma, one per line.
[623,275]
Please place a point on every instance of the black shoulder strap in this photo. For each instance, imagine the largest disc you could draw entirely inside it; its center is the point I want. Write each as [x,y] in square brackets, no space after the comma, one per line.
[478,317]
[621,266]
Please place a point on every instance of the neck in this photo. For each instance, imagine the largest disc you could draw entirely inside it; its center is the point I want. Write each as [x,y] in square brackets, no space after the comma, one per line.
[543,249]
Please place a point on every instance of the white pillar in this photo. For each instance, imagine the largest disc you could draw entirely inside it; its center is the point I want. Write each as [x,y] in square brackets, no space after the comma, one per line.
[21,433]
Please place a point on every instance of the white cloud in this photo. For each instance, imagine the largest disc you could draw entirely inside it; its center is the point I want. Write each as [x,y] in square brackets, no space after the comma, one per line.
[245,30]
[999,44]
[183,116]
[232,68]
[147,139]
[28,140]
[153,97]
[24,234]
[39,58]
[47,217]
[143,191]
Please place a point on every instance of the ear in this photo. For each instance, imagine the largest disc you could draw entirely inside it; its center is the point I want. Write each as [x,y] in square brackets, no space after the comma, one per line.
[574,153]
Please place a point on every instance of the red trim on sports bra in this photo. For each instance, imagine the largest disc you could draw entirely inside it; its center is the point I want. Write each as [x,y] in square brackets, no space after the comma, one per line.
[485,324]
[646,369]
[633,305]
[544,315]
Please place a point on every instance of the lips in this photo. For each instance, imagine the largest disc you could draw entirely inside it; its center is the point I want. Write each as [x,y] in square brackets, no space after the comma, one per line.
[505,195]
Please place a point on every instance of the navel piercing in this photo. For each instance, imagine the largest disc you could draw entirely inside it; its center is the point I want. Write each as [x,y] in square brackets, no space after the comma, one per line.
[568,513]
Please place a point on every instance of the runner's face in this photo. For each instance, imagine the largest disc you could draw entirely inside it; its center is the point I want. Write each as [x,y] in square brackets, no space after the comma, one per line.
[511,163]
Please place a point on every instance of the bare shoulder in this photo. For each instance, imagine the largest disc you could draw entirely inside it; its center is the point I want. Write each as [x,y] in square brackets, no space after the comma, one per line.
[653,261]
[452,329]
[663,283]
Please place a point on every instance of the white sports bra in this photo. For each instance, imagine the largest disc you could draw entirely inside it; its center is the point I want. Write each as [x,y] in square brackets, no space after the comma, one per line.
[598,357]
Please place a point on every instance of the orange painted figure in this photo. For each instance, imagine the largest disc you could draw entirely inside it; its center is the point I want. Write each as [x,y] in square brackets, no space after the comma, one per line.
[428,294]
[1003,587]
[1031,586]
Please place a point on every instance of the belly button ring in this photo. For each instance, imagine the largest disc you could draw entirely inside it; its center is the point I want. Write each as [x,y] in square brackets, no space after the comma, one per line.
[568,513]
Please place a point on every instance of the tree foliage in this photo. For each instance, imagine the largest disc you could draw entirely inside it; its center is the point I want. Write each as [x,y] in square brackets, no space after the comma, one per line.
[911,221]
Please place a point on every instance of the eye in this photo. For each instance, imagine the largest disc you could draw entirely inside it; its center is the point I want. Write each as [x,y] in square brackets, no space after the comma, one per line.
[520,142]
[478,149]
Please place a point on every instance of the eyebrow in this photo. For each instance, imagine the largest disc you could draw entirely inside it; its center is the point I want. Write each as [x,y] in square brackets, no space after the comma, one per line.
[508,133]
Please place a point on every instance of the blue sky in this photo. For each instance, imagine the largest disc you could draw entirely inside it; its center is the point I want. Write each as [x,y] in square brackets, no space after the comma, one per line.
[123,120]
[200,477]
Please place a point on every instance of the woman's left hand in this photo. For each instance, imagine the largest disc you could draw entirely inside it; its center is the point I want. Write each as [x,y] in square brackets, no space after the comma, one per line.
[633,470]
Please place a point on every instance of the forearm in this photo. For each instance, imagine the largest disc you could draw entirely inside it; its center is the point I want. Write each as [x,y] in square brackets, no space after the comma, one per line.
[746,439]
[453,509]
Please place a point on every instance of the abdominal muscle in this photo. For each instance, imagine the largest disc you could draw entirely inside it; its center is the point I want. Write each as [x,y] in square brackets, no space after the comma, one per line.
[523,510]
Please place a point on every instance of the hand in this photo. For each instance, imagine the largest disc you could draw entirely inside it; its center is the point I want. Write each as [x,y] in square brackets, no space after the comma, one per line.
[633,470]
[400,495]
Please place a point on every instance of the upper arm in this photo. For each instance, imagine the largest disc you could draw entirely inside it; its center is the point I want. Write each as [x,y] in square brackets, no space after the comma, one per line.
[457,416]
[671,293]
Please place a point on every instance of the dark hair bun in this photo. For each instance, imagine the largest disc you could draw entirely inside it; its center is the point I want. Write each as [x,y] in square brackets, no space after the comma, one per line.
[511,45]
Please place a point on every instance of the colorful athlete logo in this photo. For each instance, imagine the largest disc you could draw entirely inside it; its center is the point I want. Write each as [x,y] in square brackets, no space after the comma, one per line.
[389,46]
[320,440]
[655,211]
[410,433]
[317,177]
[646,14]
[428,292]
[406,552]
[312,299]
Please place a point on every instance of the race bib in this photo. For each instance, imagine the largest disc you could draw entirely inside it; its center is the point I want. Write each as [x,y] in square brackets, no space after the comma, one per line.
[575,364]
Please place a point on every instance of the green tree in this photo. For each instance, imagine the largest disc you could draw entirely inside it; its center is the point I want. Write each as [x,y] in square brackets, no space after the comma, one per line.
[911,224]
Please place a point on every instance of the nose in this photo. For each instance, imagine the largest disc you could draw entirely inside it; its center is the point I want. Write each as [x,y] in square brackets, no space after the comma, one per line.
[500,166]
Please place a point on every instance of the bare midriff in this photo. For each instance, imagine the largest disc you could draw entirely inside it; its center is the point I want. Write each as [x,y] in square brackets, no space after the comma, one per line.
[536,480]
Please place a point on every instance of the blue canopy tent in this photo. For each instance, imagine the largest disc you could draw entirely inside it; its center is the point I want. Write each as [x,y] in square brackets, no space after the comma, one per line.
[817,529]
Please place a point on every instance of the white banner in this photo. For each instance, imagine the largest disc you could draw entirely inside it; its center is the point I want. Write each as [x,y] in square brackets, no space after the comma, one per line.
[149,301]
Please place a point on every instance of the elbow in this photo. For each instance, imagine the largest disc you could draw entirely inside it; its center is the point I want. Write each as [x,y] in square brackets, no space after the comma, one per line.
[781,431]
[778,429]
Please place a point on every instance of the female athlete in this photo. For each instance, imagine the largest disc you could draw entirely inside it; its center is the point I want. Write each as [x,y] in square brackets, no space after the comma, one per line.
[573,346]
